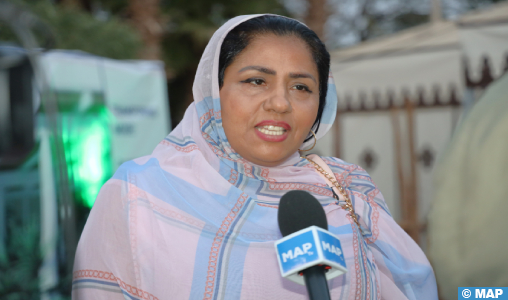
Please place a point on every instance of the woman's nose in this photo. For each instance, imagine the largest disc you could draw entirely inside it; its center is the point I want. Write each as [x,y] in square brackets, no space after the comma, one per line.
[278,101]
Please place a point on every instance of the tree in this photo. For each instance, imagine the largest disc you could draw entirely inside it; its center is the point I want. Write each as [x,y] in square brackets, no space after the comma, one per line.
[316,16]
[353,21]
[145,16]
[76,29]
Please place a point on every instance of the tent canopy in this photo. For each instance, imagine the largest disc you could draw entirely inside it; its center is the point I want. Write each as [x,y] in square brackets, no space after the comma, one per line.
[423,63]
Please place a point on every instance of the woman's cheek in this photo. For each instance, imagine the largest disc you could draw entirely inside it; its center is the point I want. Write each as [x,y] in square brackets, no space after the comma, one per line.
[308,106]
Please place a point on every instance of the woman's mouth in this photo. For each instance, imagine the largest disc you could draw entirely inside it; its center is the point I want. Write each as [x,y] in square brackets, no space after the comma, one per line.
[272,131]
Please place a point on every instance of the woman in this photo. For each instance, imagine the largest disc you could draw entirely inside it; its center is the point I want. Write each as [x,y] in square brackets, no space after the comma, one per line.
[197,219]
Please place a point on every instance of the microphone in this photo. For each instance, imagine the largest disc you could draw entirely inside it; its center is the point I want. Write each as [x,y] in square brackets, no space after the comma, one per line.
[307,248]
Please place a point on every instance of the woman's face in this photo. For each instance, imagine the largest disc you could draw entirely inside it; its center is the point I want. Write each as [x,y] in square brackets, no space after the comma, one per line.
[270,99]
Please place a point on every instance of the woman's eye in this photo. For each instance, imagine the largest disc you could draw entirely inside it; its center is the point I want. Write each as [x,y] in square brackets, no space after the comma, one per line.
[302,87]
[254,81]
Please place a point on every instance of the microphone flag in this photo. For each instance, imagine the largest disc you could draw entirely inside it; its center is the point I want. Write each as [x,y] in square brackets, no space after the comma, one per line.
[309,247]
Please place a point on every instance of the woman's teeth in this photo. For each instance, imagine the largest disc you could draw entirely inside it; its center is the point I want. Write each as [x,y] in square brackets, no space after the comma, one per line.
[271,130]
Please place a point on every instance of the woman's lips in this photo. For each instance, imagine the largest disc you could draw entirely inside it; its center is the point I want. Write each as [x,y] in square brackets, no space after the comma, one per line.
[274,123]
[272,131]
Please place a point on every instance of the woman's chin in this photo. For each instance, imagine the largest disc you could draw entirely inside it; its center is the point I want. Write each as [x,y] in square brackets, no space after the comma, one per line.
[272,158]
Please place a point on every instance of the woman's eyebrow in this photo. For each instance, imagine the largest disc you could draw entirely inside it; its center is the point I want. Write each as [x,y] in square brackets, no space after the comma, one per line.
[302,75]
[272,72]
[258,68]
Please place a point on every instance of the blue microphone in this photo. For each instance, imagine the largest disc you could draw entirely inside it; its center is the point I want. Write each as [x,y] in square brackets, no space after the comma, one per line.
[308,254]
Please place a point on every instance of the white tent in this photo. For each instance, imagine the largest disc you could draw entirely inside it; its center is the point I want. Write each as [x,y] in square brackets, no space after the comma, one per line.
[423,57]
[400,97]
[134,92]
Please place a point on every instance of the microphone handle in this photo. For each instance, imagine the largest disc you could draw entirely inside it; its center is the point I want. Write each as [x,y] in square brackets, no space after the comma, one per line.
[315,281]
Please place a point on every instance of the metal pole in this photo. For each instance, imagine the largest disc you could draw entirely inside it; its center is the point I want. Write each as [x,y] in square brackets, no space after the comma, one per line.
[394,112]
[413,218]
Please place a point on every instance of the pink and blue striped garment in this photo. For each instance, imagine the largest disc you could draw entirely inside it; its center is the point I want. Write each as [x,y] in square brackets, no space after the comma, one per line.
[194,220]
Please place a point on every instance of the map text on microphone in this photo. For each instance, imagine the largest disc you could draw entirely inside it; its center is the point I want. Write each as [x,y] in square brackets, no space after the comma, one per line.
[292,254]
[331,248]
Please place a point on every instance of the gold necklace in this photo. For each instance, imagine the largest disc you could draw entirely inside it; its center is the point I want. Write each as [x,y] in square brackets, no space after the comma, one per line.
[348,206]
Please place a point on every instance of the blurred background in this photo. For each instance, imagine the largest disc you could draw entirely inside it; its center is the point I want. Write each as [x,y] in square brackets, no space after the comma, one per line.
[86,85]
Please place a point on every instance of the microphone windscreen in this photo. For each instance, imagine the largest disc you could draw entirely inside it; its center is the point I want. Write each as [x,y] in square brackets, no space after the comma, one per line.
[299,210]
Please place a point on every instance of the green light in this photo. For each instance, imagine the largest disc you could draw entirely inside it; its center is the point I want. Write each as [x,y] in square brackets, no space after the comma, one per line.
[91,169]
[87,143]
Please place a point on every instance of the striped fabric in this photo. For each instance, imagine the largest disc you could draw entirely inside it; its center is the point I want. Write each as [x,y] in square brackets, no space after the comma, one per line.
[194,220]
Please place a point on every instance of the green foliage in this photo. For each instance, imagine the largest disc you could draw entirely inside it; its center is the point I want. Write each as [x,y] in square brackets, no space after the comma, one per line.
[115,7]
[6,34]
[77,29]
[409,19]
